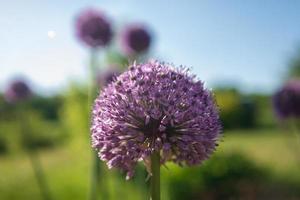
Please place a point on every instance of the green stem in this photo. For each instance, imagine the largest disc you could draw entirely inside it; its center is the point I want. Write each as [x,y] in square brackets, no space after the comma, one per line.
[38,170]
[92,86]
[95,176]
[155,178]
[92,91]
[34,158]
[294,126]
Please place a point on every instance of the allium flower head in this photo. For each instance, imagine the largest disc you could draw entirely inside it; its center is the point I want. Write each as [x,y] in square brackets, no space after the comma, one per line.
[18,90]
[135,39]
[154,107]
[287,100]
[93,28]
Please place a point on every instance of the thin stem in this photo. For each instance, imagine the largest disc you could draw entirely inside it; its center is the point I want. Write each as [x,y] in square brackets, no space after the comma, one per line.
[34,159]
[95,176]
[155,177]
[92,91]
[38,170]
[92,86]
[290,127]
[294,123]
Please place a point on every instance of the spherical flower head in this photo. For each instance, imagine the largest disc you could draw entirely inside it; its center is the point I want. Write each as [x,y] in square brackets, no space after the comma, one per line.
[109,75]
[135,39]
[286,101]
[18,90]
[93,28]
[154,107]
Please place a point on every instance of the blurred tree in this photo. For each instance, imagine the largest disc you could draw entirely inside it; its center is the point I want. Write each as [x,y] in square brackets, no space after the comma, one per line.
[74,113]
[42,125]
[41,133]
[48,107]
[294,65]
[236,110]
[264,111]
[222,177]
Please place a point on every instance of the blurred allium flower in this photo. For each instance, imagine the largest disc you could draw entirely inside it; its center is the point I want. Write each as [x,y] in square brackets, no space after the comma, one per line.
[135,39]
[154,107]
[18,90]
[93,28]
[287,100]
[107,76]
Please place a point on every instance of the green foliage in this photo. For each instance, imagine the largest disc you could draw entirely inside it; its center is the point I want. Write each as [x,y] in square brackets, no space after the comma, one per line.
[236,110]
[265,116]
[3,145]
[294,66]
[41,133]
[117,58]
[75,111]
[222,177]
[37,118]
[48,107]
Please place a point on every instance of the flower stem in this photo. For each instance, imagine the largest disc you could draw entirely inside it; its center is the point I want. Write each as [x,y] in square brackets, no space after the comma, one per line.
[34,158]
[155,178]
[95,168]
[95,176]
[38,170]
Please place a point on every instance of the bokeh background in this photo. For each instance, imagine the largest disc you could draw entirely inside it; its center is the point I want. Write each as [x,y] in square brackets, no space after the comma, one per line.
[243,50]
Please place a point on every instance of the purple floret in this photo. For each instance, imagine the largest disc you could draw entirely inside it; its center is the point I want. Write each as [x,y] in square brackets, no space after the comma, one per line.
[93,28]
[154,107]
[286,101]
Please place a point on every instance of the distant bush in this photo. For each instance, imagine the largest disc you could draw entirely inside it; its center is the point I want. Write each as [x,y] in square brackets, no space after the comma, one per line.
[265,116]
[3,145]
[75,111]
[47,107]
[221,177]
[41,133]
[236,110]
[40,118]
[294,65]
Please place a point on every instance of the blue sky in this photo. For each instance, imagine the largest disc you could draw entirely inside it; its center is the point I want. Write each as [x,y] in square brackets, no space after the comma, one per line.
[246,43]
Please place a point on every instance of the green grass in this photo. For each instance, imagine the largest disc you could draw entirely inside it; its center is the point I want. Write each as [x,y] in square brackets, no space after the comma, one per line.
[67,167]
[275,149]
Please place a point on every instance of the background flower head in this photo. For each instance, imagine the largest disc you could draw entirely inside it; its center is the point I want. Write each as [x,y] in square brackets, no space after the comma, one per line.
[93,28]
[108,75]
[135,39]
[154,107]
[286,101]
[18,90]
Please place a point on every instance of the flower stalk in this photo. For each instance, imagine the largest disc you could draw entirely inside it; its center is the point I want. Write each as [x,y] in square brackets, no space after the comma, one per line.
[34,159]
[39,174]
[155,177]
[95,171]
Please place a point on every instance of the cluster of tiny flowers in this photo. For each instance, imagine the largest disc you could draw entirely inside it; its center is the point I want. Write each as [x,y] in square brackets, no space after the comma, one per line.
[154,107]
[135,39]
[93,28]
[18,90]
[287,100]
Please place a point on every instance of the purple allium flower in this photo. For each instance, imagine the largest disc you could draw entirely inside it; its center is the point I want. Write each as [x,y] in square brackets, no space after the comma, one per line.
[154,107]
[93,28]
[18,90]
[286,101]
[107,76]
[135,39]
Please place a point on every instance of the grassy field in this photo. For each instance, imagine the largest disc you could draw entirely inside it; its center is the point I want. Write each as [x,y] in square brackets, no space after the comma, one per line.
[270,148]
[67,167]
